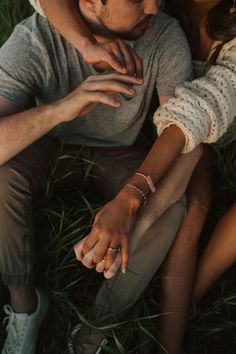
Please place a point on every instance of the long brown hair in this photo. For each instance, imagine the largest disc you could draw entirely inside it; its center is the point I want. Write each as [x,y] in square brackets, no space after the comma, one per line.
[220,23]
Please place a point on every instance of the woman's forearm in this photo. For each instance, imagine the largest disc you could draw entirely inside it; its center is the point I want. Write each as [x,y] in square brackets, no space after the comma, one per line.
[160,158]
[65,17]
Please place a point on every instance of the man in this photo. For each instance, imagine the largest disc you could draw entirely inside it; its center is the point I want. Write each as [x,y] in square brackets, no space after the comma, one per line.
[37,62]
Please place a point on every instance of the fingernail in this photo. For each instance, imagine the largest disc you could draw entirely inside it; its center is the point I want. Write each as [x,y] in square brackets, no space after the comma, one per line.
[131,91]
[139,79]
[123,270]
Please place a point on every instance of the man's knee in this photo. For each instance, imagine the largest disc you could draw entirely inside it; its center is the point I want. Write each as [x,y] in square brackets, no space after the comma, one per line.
[15,219]
[15,204]
[13,184]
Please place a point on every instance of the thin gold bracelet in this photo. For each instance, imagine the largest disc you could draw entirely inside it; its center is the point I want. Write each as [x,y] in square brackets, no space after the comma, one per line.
[137,189]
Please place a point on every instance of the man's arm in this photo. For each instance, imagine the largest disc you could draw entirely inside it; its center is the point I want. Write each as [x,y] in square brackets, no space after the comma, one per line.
[20,129]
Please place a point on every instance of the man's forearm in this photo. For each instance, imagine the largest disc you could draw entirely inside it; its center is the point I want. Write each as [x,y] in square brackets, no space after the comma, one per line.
[19,130]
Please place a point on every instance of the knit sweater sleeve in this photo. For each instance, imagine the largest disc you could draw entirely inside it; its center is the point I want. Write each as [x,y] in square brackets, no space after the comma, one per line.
[204,108]
[36,5]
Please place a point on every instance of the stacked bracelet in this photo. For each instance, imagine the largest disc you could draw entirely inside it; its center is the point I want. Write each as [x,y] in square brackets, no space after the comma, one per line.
[141,193]
[149,181]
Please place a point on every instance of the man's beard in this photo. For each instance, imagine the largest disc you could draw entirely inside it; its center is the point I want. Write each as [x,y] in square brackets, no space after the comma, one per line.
[137,32]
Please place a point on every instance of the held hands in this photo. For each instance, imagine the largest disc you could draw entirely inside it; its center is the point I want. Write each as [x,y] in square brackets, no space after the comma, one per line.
[97,89]
[111,229]
[115,55]
[100,267]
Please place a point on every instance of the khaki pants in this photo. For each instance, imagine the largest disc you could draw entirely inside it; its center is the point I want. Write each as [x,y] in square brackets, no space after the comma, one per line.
[21,177]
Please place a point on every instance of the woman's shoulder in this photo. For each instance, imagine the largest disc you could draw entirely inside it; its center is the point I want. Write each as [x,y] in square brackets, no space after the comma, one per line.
[228,51]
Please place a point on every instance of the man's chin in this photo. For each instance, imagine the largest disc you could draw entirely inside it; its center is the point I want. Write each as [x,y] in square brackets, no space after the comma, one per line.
[132,35]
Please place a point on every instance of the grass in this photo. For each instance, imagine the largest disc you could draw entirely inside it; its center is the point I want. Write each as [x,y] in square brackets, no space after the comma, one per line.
[72,288]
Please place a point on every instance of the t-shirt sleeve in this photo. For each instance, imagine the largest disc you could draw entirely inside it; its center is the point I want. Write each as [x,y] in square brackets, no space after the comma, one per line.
[36,5]
[174,60]
[205,108]
[22,68]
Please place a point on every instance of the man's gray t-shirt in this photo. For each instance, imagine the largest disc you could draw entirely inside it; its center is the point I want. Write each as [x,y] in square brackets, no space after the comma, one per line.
[37,61]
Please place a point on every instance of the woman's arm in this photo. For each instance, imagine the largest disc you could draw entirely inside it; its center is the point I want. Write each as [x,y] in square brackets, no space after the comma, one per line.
[204,108]
[113,224]
[64,15]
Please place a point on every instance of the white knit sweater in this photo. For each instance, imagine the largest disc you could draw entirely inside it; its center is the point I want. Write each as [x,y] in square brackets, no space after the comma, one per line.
[205,109]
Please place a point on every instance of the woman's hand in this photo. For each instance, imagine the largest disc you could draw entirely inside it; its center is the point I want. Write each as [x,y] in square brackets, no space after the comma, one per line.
[110,233]
[115,55]
[96,89]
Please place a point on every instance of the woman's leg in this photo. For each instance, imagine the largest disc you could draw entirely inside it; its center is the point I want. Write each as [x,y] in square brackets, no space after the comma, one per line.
[179,268]
[176,283]
[219,255]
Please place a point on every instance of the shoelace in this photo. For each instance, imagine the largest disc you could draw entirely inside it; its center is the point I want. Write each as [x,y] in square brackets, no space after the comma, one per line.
[17,329]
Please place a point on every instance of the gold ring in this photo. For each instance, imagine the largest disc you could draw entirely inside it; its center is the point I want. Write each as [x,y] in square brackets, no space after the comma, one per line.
[113,249]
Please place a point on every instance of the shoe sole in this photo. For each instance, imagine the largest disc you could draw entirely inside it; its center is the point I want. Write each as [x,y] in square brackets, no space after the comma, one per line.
[72,335]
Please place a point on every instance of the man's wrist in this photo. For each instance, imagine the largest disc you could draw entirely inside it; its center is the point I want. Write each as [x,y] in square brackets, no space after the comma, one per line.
[60,112]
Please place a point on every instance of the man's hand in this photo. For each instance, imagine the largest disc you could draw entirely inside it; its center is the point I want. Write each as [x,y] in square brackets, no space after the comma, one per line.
[110,232]
[115,55]
[96,89]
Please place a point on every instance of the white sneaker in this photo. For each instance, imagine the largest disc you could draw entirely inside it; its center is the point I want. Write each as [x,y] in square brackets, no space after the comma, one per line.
[22,329]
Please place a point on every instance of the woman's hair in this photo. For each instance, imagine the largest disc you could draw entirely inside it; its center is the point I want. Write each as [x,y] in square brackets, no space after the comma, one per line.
[220,23]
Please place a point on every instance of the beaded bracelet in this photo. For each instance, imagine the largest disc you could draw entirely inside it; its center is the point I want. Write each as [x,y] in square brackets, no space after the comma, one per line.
[141,193]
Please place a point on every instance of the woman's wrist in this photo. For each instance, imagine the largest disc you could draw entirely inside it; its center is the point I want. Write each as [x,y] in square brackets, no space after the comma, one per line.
[84,42]
[130,197]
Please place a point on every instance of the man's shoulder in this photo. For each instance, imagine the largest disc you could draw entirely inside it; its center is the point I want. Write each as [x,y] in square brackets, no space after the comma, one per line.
[160,22]
[32,31]
[35,26]
[162,30]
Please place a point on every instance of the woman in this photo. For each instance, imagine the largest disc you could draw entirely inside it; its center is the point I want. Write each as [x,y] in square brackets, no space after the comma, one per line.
[202,112]
[208,111]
